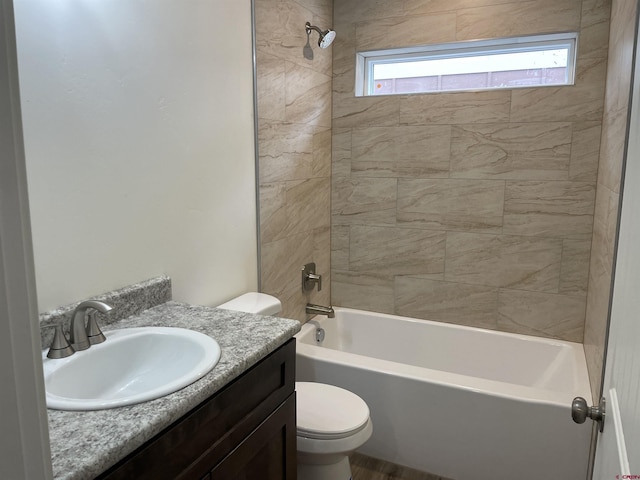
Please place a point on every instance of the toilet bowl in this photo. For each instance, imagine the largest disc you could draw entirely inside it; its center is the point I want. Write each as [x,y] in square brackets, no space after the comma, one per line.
[331,421]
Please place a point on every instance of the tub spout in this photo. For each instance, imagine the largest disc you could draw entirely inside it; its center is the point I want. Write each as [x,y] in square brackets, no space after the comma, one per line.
[320,310]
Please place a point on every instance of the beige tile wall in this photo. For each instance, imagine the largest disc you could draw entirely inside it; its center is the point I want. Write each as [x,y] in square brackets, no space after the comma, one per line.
[294,145]
[471,208]
[621,45]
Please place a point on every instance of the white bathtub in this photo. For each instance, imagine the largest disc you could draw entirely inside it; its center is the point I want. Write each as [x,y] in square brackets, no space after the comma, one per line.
[460,402]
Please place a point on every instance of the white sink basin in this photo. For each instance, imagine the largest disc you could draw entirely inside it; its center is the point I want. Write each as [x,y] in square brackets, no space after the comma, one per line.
[133,365]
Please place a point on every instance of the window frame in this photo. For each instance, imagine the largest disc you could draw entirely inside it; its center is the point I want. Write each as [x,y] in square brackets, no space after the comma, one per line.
[366,60]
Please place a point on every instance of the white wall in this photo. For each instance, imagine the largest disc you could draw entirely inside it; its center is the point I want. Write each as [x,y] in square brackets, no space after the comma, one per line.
[618,446]
[24,442]
[138,126]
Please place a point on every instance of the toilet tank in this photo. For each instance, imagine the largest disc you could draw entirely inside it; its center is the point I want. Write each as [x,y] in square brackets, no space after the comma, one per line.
[254,302]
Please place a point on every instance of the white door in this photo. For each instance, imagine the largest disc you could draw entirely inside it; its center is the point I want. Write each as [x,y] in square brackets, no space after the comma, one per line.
[618,452]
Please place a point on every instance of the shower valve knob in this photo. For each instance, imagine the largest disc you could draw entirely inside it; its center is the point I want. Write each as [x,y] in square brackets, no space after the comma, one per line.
[309,278]
[312,277]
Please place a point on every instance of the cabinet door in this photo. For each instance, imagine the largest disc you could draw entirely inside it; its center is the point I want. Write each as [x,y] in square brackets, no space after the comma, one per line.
[191,447]
[269,453]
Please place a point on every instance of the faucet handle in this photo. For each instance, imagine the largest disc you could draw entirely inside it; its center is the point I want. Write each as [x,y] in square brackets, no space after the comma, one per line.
[60,347]
[309,278]
[94,334]
[312,277]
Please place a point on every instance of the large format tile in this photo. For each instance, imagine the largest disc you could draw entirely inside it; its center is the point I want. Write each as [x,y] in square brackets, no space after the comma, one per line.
[294,145]
[594,356]
[308,205]
[541,314]
[585,151]
[318,7]
[511,151]
[614,134]
[341,153]
[273,213]
[455,108]
[371,291]
[322,259]
[473,305]
[421,7]
[401,151]
[526,263]
[518,18]
[322,139]
[621,50]
[620,58]
[344,55]
[594,28]
[280,32]
[572,103]
[286,152]
[344,79]
[601,266]
[294,207]
[447,204]
[344,71]
[358,11]
[307,96]
[542,142]
[340,247]
[551,209]
[595,327]
[322,59]
[281,261]
[574,274]
[270,72]
[396,251]
[364,200]
[350,111]
[280,273]
[405,31]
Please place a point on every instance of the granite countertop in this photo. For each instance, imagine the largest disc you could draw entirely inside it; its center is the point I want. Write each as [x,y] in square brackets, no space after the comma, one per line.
[84,444]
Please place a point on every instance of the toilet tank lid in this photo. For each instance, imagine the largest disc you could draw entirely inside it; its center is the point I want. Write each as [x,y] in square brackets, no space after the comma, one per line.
[254,302]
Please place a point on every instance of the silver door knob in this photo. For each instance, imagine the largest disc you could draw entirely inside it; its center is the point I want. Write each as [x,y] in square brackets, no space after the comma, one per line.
[580,411]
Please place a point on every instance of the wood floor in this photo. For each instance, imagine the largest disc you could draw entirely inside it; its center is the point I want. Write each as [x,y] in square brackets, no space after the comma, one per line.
[368,468]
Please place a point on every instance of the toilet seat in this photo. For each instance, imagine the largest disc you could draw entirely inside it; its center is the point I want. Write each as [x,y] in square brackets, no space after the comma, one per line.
[327,412]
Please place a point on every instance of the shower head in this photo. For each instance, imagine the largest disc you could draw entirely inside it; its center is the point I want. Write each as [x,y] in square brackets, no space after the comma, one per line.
[326,38]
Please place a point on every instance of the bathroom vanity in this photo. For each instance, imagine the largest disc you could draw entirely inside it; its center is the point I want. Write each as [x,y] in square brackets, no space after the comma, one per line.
[238,421]
[247,430]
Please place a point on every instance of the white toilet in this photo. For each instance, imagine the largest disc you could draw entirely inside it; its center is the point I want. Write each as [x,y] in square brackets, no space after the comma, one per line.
[331,422]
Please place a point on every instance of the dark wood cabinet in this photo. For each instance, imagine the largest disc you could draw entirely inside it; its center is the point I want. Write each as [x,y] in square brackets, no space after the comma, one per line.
[246,431]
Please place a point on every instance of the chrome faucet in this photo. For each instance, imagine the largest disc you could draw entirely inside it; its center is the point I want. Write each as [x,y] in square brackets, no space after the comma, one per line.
[84,334]
[312,309]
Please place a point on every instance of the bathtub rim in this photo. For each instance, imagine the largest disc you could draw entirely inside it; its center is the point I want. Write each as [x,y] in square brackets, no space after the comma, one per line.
[306,348]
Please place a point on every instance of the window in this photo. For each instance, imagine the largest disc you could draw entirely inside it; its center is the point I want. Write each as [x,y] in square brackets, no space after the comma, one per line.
[534,61]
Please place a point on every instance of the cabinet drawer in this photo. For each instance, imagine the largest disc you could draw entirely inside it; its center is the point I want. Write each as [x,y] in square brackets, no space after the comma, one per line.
[198,441]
